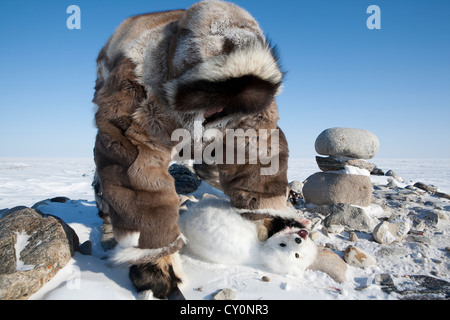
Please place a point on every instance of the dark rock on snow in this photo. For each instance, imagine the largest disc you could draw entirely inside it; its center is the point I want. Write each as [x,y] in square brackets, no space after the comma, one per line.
[185,180]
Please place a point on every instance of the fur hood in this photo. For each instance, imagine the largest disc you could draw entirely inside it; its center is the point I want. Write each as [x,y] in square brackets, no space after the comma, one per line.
[220,44]
[211,58]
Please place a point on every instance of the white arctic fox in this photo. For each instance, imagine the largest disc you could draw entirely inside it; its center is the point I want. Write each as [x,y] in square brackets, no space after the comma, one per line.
[216,233]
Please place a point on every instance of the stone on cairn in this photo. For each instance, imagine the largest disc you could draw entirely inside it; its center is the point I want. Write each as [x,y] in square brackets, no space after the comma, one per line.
[347,142]
[346,173]
[324,188]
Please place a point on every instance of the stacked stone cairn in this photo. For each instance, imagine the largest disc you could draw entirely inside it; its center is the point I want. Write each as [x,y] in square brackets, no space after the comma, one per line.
[345,176]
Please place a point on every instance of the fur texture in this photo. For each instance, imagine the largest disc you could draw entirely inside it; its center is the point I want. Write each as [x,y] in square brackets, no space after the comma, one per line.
[215,233]
[162,71]
[159,277]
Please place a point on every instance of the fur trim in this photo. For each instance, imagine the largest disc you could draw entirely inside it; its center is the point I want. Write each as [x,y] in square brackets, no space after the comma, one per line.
[134,255]
[129,240]
[255,214]
[250,63]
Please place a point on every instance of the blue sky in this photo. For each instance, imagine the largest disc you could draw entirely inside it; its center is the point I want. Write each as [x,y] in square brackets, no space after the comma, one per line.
[394,81]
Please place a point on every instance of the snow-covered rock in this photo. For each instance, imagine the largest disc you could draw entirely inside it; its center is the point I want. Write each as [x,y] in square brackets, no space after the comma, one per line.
[389,232]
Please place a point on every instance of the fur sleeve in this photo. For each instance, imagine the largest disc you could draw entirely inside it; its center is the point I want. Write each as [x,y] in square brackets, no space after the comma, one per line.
[132,170]
[254,195]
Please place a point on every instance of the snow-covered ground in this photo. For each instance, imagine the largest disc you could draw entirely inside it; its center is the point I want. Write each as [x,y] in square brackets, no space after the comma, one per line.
[27,181]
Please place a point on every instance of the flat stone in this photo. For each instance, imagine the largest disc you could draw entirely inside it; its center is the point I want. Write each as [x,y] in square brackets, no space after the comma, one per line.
[224,294]
[335,164]
[419,287]
[357,257]
[428,188]
[329,262]
[348,142]
[347,216]
[326,188]
[389,232]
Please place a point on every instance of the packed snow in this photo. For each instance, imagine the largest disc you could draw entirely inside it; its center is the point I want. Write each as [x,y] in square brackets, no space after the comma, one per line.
[28,181]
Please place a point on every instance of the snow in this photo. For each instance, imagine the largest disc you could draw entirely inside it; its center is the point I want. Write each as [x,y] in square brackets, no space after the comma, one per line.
[25,181]
[21,243]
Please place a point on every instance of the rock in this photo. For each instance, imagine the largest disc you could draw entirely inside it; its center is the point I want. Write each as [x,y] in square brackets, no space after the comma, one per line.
[329,262]
[45,247]
[391,184]
[389,232]
[377,172]
[427,188]
[348,142]
[185,180]
[314,235]
[296,186]
[384,279]
[353,236]
[296,193]
[357,257]
[335,228]
[327,209]
[326,188]
[59,199]
[419,238]
[331,246]
[86,248]
[335,164]
[392,174]
[265,279]
[183,199]
[388,251]
[442,195]
[427,216]
[325,231]
[224,294]
[72,237]
[348,216]
[315,223]
[420,287]
[14,209]
[431,204]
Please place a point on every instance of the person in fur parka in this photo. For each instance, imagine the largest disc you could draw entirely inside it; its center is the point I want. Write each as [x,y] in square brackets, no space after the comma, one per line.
[163,71]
